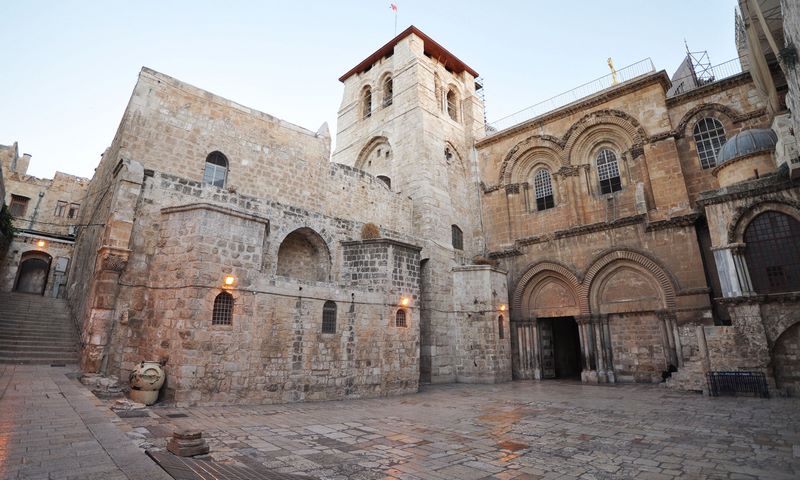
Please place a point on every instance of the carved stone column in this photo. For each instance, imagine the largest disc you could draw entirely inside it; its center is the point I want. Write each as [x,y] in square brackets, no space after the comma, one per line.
[588,375]
[732,270]
[526,345]
[597,328]
[667,336]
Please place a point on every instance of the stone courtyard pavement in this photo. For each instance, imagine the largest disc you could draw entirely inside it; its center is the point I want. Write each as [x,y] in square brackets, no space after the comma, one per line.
[520,430]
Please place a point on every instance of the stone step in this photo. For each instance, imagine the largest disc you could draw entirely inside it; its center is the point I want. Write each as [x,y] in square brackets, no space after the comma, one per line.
[39,338]
[48,332]
[24,343]
[37,353]
[39,348]
[39,361]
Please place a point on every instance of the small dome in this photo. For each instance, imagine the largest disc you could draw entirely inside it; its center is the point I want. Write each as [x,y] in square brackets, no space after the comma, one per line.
[746,143]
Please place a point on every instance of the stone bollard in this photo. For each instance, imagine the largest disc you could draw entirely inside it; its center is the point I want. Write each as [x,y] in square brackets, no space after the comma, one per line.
[187,443]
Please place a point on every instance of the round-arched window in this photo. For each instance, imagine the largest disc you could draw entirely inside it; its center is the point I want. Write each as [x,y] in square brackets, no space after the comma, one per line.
[543,189]
[608,171]
[709,136]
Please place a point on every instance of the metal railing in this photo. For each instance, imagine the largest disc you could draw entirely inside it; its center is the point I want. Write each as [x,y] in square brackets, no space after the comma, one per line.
[642,67]
[712,74]
[738,382]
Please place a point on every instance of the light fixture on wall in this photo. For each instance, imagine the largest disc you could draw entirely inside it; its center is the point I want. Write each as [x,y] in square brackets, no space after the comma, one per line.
[41,243]
[229,281]
[502,307]
[404,301]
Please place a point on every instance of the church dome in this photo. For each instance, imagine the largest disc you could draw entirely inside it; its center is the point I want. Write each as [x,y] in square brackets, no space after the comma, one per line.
[746,143]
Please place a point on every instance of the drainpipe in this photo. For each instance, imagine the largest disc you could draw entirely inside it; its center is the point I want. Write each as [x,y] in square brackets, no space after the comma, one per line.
[35,211]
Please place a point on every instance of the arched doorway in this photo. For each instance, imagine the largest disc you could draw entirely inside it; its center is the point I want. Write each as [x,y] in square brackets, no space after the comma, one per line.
[786,361]
[33,271]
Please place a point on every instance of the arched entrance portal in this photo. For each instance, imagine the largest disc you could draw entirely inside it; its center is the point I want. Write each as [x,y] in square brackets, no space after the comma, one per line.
[34,268]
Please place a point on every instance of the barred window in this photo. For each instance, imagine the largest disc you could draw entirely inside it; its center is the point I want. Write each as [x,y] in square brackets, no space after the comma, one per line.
[329,317]
[18,206]
[458,237]
[772,252]
[400,318]
[216,169]
[608,172]
[74,208]
[223,309]
[500,331]
[709,135]
[544,190]
[366,102]
[387,91]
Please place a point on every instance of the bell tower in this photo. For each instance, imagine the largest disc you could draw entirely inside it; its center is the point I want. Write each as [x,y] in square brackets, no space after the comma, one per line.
[410,116]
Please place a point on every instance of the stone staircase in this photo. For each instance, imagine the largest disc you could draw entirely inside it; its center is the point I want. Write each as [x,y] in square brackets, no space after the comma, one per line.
[36,329]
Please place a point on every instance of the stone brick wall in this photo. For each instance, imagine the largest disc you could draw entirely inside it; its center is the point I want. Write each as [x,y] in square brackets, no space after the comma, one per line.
[639,351]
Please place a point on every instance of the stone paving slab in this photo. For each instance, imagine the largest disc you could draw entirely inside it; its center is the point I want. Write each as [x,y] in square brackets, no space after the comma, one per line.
[53,428]
[519,430]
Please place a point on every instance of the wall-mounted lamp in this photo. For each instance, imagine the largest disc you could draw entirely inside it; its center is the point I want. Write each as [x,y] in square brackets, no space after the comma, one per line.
[502,307]
[404,301]
[41,243]
[229,281]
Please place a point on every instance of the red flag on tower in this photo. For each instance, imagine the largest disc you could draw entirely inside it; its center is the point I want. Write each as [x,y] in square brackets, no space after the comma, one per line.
[393,6]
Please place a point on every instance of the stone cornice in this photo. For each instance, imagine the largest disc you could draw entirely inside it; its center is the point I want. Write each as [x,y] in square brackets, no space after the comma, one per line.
[711,88]
[381,241]
[215,208]
[762,186]
[579,106]
[757,299]
[674,222]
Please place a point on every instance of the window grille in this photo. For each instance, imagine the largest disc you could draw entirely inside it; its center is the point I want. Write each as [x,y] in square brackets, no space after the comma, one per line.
[608,172]
[18,206]
[500,327]
[709,135]
[458,238]
[367,102]
[387,91]
[544,190]
[452,104]
[772,252]
[223,309]
[329,317]
[216,169]
[61,206]
[400,318]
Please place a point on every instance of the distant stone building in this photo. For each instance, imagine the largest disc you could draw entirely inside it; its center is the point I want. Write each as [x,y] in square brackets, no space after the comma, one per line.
[44,215]
[650,226]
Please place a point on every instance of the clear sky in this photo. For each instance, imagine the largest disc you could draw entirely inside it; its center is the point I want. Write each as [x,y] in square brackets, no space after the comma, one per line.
[70,66]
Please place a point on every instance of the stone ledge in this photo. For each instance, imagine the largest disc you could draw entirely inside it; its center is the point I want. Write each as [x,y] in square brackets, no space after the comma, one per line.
[378,241]
[215,208]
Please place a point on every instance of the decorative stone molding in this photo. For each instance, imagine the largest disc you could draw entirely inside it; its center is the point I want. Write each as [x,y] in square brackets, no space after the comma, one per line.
[113,259]
[732,115]
[568,171]
[674,222]
[561,271]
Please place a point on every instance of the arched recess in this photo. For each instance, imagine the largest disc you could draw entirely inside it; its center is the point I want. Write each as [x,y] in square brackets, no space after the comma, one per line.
[546,145]
[304,255]
[33,272]
[690,118]
[553,285]
[532,160]
[375,157]
[452,155]
[745,215]
[785,357]
[626,281]
[618,124]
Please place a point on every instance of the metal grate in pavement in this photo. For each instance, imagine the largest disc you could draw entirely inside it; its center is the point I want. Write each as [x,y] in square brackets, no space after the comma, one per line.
[187,468]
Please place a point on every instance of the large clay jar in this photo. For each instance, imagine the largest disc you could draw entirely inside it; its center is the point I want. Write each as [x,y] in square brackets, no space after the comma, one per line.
[145,381]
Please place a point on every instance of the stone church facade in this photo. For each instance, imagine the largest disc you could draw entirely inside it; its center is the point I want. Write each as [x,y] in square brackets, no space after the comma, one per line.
[610,240]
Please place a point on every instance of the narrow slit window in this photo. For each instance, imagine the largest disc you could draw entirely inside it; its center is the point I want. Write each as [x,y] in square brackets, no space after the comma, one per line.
[500,331]
[458,237]
[608,172]
[388,91]
[329,317]
[543,188]
[400,318]
[452,104]
[366,103]
[223,309]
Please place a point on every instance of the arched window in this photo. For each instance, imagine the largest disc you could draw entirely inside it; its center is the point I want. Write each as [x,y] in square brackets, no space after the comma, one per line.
[543,189]
[329,317]
[387,91]
[223,309]
[400,318]
[608,171]
[452,104]
[366,102]
[458,237]
[216,169]
[500,331]
[772,251]
[386,180]
[709,135]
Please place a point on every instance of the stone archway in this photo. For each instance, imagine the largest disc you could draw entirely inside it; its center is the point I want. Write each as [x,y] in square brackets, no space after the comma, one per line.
[786,361]
[304,255]
[32,273]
